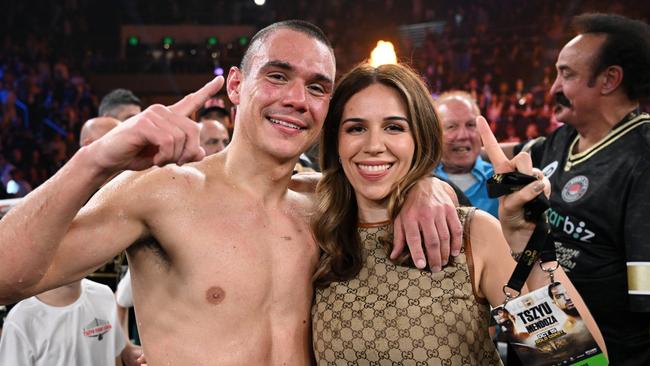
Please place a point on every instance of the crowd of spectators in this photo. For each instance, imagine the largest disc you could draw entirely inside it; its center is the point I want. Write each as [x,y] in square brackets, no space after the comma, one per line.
[502,52]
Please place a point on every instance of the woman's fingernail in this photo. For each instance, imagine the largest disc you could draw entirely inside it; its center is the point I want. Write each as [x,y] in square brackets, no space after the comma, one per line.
[538,187]
[420,263]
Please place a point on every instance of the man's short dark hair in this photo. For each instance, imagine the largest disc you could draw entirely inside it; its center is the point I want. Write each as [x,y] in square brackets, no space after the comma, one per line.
[116,99]
[627,45]
[301,26]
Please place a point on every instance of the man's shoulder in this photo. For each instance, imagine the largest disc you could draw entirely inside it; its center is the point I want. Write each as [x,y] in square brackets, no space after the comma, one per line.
[143,187]
[643,130]
[561,134]
[302,200]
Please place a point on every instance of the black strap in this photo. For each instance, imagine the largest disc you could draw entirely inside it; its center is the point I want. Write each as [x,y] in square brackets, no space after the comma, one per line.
[540,245]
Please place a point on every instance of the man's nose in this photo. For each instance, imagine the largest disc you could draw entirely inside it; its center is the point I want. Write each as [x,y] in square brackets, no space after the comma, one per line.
[296,96]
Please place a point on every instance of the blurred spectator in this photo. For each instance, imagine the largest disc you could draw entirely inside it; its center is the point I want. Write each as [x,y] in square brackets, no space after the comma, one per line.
[214,136]
[461,162]
[95,128]
[216,109]
[120,104]
[70,325]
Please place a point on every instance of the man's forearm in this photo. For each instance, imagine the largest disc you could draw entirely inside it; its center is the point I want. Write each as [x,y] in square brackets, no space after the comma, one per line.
[31,231]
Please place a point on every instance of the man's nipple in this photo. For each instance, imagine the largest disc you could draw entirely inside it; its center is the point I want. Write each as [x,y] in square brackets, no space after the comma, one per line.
[215,295]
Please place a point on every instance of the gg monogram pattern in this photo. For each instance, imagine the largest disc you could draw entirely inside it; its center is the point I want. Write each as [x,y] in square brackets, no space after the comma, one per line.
[394,315]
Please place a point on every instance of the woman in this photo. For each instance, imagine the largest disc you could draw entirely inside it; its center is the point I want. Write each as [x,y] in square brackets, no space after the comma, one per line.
[382,135]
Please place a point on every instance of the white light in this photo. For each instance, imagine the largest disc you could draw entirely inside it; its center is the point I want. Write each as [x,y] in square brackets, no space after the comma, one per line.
[260,2]
[383,54]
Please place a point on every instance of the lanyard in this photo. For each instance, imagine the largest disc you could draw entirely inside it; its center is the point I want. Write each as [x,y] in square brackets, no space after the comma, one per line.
[540,245]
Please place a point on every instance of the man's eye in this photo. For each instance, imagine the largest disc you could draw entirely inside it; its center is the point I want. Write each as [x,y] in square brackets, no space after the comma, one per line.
[277,76]
[317,89]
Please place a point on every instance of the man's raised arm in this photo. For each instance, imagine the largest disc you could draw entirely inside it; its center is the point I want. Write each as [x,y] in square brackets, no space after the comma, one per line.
[44,239]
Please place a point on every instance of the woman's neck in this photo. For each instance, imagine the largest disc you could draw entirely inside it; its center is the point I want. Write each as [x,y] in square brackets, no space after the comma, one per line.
[372,211]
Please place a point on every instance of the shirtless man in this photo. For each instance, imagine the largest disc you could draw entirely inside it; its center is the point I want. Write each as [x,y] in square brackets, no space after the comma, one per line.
[227,280]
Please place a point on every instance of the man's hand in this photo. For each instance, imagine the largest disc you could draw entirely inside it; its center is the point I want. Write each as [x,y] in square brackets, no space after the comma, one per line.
[131,355]
[428,214]
[157,136]
[515,228]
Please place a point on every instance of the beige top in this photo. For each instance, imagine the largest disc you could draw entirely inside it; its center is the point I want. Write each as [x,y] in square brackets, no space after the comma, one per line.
[399,315]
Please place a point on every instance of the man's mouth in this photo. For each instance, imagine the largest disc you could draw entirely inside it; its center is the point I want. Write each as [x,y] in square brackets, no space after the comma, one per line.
[561,101]
[285,124]
[461,149]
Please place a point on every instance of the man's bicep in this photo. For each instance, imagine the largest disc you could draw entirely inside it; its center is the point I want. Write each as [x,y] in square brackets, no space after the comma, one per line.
[103,228]
[637,232]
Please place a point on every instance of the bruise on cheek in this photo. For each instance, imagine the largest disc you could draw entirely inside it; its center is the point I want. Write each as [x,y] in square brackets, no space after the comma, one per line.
[215,295]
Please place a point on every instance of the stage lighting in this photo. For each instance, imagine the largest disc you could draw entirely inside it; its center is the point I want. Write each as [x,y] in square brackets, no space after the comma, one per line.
[133,41]
[168,42]
[218,70]
[259,2]
[212,41]
[243,41]
[383,54]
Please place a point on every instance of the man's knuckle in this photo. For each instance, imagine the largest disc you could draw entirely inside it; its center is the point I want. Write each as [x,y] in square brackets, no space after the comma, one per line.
[156,108]
[167,140]
[433,244]
[412,238]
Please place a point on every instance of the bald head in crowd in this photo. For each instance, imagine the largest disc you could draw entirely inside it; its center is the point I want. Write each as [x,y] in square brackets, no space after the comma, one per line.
[95,128]
[214,136]
[462,143]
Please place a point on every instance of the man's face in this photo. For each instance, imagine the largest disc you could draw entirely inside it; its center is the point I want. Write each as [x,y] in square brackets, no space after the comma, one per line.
[461,141]
[214,137]
[575,93]
[127,111]
[563,302]
[283,98]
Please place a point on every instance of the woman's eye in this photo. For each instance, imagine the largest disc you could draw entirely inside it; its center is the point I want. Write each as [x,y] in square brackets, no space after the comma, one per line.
[395,128]
[354,129]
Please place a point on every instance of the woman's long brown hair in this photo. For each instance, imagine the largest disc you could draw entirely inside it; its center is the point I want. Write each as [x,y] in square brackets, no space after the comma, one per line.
[335,222]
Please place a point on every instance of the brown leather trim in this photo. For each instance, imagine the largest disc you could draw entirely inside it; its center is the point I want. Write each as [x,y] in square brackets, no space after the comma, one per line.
[468,254]
[368,225]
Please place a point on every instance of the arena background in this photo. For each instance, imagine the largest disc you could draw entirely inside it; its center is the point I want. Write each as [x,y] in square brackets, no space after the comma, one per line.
[57,59]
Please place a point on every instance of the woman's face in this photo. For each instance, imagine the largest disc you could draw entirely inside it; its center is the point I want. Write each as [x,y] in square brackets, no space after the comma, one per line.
[376,146]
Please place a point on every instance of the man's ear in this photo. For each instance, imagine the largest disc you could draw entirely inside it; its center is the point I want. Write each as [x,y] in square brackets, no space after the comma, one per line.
[233,84]
[612,79]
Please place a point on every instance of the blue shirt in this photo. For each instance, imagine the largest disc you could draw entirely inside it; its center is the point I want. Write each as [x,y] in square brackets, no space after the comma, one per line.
[477,193]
